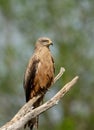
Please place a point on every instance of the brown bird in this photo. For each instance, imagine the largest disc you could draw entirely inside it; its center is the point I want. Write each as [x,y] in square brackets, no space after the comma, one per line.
[39,74]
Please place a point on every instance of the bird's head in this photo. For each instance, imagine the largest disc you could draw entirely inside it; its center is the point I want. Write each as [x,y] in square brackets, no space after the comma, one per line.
[44,41]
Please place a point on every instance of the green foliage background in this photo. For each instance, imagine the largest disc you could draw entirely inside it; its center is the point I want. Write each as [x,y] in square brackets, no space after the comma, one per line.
[70,24]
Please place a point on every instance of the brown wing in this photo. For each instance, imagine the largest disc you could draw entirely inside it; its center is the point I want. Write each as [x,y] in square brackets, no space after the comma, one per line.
[30,76]
[38,77]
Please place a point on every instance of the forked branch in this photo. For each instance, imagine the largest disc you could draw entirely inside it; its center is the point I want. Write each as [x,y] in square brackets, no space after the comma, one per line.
[26,112]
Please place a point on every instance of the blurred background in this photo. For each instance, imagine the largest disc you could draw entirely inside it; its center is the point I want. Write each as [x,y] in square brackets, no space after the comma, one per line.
[70,25]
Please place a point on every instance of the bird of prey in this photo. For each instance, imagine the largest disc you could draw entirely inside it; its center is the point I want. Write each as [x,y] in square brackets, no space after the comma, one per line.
[39,74]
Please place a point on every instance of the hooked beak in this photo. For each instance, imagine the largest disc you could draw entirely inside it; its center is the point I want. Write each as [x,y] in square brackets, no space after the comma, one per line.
[51,43]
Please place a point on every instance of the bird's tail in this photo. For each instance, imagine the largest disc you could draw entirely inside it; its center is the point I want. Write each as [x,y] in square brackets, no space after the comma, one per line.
[33,123]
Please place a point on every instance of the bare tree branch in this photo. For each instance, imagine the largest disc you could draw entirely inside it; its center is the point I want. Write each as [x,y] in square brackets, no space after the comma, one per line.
[62,70]
[26,112]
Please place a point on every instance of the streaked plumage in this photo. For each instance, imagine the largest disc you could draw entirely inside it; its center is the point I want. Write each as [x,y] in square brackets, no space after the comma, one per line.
[39,74]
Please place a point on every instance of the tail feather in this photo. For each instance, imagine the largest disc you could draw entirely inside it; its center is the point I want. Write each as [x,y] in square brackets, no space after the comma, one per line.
[34,122]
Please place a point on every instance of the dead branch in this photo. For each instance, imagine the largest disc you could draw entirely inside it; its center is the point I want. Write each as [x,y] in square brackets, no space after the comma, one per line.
[26,112]
[62,70]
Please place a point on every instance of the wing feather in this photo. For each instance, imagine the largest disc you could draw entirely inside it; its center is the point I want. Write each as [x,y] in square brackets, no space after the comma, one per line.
[29,77]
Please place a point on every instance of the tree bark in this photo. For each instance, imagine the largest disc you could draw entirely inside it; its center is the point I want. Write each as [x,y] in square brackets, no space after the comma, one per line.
[27,112]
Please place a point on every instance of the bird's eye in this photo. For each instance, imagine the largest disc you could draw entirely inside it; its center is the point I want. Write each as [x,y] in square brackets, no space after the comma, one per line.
[45,40]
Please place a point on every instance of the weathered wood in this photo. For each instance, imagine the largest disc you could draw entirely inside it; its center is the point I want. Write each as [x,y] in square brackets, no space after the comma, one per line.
[26,112]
